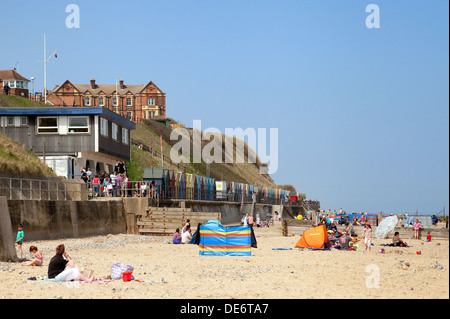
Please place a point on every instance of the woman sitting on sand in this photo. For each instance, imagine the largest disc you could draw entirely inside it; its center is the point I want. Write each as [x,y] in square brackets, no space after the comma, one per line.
[396,241]
[38,259]
[62,267]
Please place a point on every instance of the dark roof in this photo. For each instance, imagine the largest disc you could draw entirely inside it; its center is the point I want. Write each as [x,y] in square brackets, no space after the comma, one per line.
[154,173]
[71,111]
[11,75]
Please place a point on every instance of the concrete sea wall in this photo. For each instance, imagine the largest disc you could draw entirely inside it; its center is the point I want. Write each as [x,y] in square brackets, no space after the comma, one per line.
[59,219]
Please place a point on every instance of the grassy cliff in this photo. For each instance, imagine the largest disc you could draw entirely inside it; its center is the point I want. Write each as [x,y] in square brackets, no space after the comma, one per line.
[15,160]
[248,173]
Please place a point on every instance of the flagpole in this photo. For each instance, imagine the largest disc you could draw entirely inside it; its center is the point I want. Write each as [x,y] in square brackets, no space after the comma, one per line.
[46,60]
[45,72]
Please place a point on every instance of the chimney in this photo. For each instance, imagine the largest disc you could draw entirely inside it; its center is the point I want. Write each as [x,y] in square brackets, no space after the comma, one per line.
[92,83]
[121,84]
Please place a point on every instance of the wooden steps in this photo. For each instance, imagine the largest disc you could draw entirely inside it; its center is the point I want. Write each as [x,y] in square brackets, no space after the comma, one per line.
[165,220]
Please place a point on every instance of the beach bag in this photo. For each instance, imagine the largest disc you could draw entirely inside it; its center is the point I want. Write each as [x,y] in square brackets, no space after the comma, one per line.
[118,268]
[86,272]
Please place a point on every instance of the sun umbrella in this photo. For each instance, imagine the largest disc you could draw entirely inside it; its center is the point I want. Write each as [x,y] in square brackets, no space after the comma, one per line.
[386,226]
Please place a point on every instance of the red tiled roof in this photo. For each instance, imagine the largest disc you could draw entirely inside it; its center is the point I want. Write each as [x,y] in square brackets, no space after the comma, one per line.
[11,75]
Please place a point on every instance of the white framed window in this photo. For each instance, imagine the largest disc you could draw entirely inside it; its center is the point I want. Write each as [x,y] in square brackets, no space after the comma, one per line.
[87,101]
[114,101]
[78,124]
[151,101]
[114,131]
[47,125]
[104,127]
[10,121]
[129,101]
[125,136]
[24,121]
[101,101]
[129,116]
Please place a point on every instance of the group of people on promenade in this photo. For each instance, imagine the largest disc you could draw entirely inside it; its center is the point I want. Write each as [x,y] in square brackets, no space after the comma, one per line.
[117,184]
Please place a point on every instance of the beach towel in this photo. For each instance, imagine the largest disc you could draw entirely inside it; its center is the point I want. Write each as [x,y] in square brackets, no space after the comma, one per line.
[319,249]
[102,281]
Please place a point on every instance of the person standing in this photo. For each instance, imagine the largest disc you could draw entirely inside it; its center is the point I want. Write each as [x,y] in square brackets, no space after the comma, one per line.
[96,182]
[6,89]
[417,225]
[250,221]
[119,185]
[368,236]
[19,239]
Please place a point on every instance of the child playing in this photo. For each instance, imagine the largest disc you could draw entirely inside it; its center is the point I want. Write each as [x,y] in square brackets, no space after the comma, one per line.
[19,239]
[368,236]
[38,259]
[417,225]
[428,237]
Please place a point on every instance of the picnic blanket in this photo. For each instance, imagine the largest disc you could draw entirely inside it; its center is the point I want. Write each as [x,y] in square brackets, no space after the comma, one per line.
[102,281]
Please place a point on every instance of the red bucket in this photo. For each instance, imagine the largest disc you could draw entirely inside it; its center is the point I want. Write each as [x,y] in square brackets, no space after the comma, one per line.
[126,276]
[419,252]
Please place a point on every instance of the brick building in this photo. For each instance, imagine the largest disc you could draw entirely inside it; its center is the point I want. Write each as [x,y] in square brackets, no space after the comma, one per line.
[18,85]
[134,102]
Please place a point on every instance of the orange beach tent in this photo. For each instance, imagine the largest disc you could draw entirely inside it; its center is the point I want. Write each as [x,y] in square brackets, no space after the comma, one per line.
[313,238]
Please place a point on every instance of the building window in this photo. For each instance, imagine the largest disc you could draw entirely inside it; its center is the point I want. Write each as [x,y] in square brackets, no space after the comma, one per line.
[101,101]
[114,101]
[129,116]
[23,121]
[47,125]
[115,131]
[10,121]
[125,136]
[129,101]
[79,124]
[87,101]
[152,114]
[151,101]
[104,127]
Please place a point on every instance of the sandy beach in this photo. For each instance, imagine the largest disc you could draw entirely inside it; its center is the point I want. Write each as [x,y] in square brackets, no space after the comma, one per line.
[177,271]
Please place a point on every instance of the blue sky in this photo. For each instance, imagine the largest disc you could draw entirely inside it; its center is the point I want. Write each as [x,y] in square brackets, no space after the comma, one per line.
[362,114]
